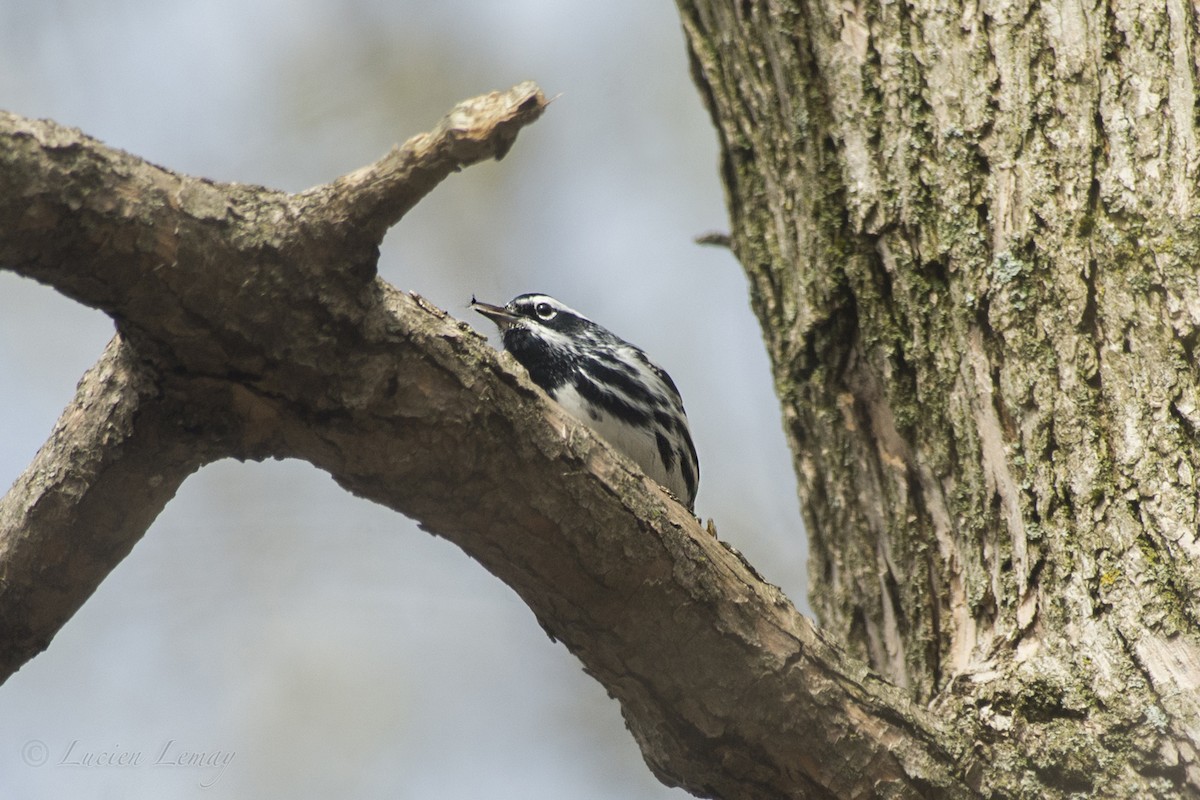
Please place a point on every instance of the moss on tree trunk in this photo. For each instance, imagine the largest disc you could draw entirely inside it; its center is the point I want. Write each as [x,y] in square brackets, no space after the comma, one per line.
[971,236]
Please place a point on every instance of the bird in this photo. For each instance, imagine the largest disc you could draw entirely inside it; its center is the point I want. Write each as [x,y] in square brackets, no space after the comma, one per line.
[604,382]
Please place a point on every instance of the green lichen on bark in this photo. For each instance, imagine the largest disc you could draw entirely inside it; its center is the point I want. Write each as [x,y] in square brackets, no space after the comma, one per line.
[976,276]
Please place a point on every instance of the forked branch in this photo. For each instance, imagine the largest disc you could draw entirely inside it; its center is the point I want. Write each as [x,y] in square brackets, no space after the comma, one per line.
[251,325]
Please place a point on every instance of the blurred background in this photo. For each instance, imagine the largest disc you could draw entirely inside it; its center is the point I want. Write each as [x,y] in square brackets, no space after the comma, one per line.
[302,641]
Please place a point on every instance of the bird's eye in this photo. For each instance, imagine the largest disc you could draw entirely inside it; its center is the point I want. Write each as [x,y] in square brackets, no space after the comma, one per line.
[545,311]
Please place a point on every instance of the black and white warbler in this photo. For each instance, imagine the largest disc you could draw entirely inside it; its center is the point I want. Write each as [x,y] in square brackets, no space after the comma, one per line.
[604,382]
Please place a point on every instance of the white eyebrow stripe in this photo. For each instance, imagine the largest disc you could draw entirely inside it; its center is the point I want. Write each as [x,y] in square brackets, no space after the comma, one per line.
[558,305]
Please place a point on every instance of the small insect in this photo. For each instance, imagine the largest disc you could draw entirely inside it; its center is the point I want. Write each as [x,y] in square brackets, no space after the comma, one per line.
[605,382]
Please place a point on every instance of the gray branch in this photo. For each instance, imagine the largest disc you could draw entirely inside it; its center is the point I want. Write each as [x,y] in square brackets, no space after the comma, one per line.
[252,325]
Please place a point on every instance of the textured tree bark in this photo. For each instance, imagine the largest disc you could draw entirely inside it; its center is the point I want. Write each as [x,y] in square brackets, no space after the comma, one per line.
[117,455]
[971,238]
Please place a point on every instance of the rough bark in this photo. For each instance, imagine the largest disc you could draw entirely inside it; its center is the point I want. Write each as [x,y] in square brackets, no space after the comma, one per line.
[251,325]
[117,455]
[971,238]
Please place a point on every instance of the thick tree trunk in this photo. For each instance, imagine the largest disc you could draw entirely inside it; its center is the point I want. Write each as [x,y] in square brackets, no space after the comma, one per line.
[972,243]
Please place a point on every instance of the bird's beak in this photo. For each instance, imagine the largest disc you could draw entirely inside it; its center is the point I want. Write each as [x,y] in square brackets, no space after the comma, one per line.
[497,314]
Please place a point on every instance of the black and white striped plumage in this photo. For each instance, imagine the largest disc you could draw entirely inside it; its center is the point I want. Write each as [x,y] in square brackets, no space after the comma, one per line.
[605,382]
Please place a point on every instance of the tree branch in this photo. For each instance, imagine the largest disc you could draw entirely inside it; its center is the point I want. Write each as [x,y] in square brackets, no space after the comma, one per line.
[116,456]
[228,296]
[375,197]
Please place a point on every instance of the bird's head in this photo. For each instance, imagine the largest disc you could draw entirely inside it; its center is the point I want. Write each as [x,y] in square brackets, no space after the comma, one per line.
[533,312]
